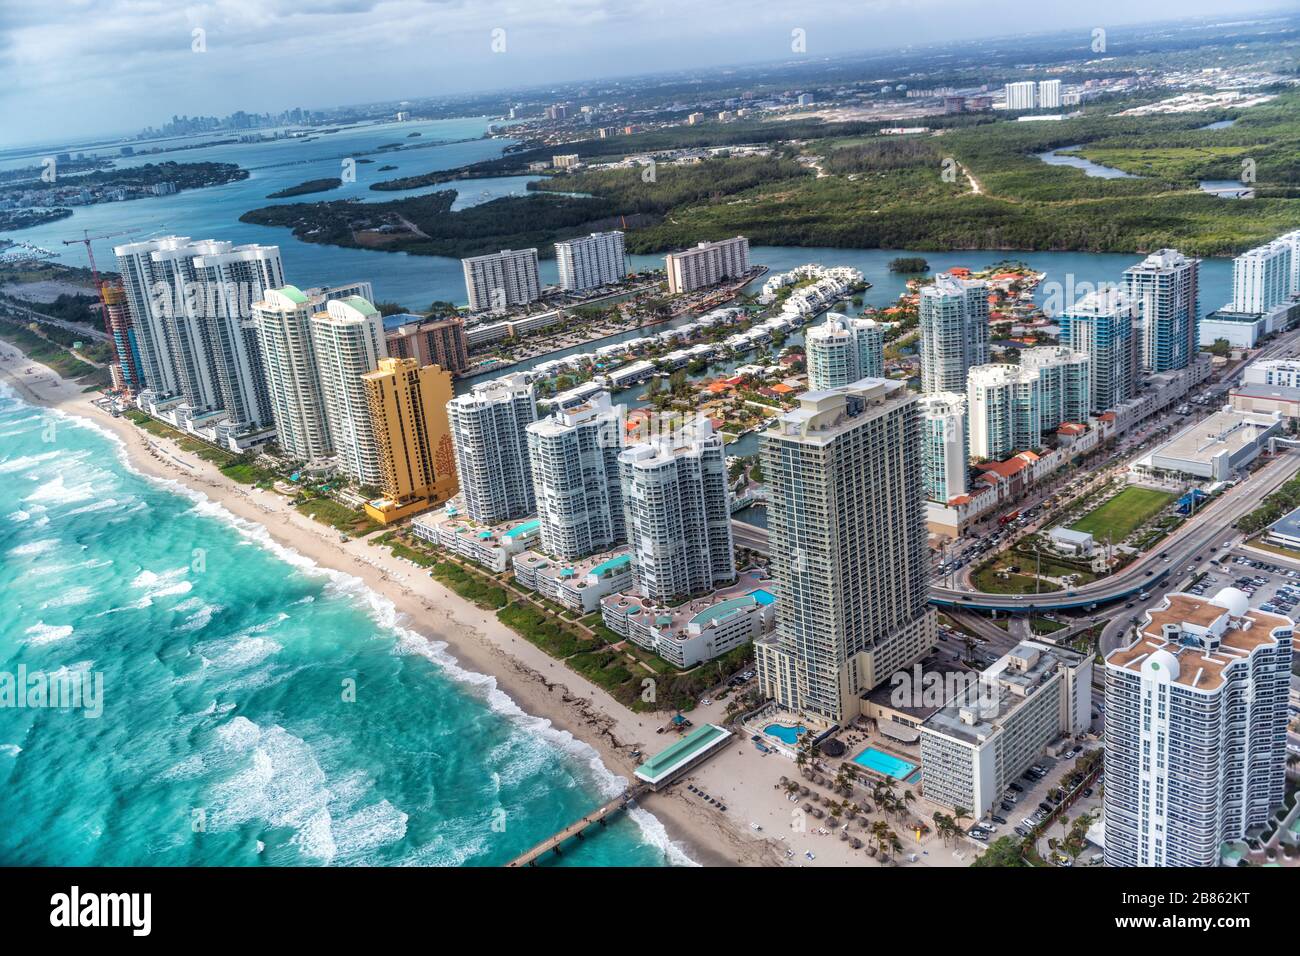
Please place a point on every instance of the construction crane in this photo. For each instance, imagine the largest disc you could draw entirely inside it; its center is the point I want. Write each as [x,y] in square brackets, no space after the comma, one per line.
[86,240]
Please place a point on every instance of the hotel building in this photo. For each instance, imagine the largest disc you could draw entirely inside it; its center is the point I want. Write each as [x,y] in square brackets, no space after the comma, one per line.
[283,322]
[1004,411]
[944,454]
[573,454]
[846,525]
[1165,287]
[1261,278]
[497,281]
[707,264]
[408,418]
[489,434]
[1019,96]
[678,513]
[954,319]
[842,350]
[348,339]
[1104,326]
[998,723]
[430,341]
[1065,380]
[1049,94]
[591,261]
[1196,730]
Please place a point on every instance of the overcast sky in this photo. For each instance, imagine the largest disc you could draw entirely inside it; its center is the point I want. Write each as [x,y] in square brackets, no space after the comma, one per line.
[74,68]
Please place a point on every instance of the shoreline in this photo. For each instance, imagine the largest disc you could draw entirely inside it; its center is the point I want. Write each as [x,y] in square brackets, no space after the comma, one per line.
[538,685]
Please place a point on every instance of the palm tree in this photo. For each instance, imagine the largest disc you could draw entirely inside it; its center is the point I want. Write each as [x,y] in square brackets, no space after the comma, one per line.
[959,814]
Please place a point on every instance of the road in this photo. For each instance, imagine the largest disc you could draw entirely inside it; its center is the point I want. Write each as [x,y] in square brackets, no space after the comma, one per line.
[31,315]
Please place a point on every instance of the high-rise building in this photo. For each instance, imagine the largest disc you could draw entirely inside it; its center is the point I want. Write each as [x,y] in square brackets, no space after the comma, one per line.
[191,307]
[489,433]
[1003,411]
[501,279]
[944,454]
[436,341]
[591,261]
[1165,287]
[954,319]
[678,512]
[1049,94]
[348,338]
[1065,382]
[1292,241]
[842,350]
[1020,96]
[126,353]
[408,417]
[573,454]
[283,323]
[707,264]
[1261,277]
[1102,325]
[1196,729]
[847,535]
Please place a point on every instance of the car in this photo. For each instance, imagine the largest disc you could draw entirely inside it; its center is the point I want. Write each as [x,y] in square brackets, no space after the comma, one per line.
[1087,791]
[1022,831]
[982,837]
[1006,806]
[997,819]
[1017,788]
[1045,807]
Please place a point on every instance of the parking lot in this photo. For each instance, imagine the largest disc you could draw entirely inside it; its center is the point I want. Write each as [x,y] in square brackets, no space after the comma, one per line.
[1027,801]
[1271,586]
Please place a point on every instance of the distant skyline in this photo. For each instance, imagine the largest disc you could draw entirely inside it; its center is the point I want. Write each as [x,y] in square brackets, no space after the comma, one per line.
[85,68]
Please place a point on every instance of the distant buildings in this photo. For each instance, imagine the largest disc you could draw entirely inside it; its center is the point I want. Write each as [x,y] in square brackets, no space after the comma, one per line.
[1103,325]
[1261,278]
[489,434]
[591,261]
[348,339]
[1196,717]
[678,513]
[842,350]
[707,264]
[408,416]
[1049,94]
[1020,96]
[847,535]
[1165,287]
[954,319]
[944,452]
[573,455]
[566,160]
[283,323]
[502,279]
[437,341]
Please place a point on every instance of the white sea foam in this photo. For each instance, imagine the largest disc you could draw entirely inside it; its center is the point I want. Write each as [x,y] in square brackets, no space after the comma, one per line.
[33,548]
[10,750]
[19,516]
[79,594]
[239,652]
[41,633]
[23,462]
[101,505]
[58,491]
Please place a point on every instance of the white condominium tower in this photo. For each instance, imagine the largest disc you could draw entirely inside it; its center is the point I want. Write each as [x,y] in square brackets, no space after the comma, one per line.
[573,454]
[348,337]
[1104,326]
[1049,94]
[1165,287]
[678,513]
[943,445]
[954,318]
[502,279]
[1065,381]
[846,525]
[489,430]
[1261,278]
[191,308]
[1020,96]
[1196,729]
[1292,240]
[591,261]
[707,264]
[283,321]
[842,350]
[1004,411]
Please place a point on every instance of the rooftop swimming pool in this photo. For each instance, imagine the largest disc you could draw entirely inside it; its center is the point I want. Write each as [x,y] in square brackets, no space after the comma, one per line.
[886,765]
[762,597]
[787,735]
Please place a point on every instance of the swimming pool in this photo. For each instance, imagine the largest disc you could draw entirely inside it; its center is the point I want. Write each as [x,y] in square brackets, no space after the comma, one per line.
[762,597]
[787,735]
[884,764]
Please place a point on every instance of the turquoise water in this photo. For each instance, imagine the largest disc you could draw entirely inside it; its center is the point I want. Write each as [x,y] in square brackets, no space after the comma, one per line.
[885,764]
[787,735]
[762,596]
[225,736]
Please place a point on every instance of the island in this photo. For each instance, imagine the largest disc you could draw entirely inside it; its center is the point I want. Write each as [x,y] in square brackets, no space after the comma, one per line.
[310,186]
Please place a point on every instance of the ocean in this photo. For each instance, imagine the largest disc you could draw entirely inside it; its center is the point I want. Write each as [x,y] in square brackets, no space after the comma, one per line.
[256,709]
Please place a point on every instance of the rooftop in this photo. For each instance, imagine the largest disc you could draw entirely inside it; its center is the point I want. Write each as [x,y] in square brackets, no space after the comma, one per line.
[668,761]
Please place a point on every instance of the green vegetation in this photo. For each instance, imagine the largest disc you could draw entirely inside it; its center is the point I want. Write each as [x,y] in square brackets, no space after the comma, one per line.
[1279,503]
[42,350]
[338,516]
[909,264]
[544,630]
[1004,851]
[1125,513]
[1042,625]
[310,186]
[470,585]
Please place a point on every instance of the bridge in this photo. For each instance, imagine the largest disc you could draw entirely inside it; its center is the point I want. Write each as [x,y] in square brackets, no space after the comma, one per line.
[576,829]
[1187,546]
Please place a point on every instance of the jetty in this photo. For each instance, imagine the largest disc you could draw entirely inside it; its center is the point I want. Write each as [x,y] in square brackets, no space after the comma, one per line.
[576,829]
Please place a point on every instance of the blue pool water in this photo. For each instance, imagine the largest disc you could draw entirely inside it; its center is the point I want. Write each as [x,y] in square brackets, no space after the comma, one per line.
[883,763]
[787,735]
[762,597]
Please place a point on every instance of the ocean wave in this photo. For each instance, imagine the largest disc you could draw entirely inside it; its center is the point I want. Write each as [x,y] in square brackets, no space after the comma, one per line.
[74,595]
[10,750]
[23,462]
[57,491]
[32,548]
[19,516]
[239,652]
[42,633]
[101,505]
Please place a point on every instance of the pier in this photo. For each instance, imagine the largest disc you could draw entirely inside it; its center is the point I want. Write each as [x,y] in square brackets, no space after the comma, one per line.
[597,816]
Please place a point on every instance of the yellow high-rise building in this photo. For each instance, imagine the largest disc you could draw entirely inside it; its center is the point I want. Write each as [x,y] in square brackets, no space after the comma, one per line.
[408,414]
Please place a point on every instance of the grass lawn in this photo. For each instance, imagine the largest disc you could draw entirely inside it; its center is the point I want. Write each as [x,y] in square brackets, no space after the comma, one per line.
[1041,625]
[1126,512]
[987,580]
[338,516]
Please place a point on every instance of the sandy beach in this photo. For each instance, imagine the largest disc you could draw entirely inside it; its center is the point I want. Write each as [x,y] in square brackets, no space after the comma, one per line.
[538,684]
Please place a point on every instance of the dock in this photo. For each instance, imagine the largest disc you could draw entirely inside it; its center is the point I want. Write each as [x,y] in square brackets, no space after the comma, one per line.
[576,829]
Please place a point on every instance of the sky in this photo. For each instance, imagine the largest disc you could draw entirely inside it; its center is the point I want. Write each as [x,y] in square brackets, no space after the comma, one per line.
[82,68]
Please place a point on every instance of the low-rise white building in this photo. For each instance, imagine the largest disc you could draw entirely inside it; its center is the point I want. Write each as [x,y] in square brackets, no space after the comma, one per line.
[577,585]
[491,546]
[1214,448]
